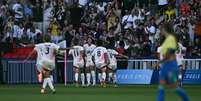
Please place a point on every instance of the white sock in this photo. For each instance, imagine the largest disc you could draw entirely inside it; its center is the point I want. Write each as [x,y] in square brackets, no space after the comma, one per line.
[100,77]
[82,78]
[44,83]
[88,78]
[50,84]
[76,77]
[110,76]
[114,78]
[93,75]
[103,76]
[51,77]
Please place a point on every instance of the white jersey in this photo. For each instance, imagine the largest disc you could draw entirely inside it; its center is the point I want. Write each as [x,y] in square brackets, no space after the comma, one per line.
[88,51]
[111,56]
[179,53]
[78,60]
[98,54]
[46,54]
[159,49]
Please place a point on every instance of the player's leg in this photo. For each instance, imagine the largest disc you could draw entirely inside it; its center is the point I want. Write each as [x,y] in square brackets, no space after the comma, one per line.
[110,74]
[93,74]
[178,89]
[173,80]
[103,70]
[180,75]
[88,74]
[82,76]
[162,83]
[47,81]
[99,72]
[100,76]
[40,74]
[76,75]
[81,67]
[44,83]
[114,78]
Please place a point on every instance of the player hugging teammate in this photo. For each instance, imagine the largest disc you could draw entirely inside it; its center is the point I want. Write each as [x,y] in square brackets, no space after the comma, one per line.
[89,58]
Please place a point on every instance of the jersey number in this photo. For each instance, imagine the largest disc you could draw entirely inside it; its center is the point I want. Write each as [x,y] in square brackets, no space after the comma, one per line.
[47,50]
[98,53]
[76,52]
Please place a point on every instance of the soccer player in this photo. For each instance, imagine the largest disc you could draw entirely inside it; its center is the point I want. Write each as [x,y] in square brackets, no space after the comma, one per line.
[169,68]
[112,66]
[45,62]
[77,52]
[180,56]
[90,67]
[100,57]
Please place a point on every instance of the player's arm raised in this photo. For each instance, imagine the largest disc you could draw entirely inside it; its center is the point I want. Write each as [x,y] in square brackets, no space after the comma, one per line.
[31,54]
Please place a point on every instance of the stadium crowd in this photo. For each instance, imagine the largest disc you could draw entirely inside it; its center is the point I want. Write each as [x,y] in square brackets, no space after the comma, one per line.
[129,26]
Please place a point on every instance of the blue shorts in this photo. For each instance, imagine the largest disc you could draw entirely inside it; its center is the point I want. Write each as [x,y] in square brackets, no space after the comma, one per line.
[169,72]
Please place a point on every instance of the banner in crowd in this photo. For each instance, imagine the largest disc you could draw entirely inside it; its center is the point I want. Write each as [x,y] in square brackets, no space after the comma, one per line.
[192,77]
[134,76]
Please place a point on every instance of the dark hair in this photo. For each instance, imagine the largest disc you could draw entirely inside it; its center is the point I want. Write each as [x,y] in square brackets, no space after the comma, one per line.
[47,38]
[75,41]
[168,27]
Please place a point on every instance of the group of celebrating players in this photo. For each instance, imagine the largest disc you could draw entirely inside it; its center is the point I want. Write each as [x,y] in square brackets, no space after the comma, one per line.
[87,59]
[93,58]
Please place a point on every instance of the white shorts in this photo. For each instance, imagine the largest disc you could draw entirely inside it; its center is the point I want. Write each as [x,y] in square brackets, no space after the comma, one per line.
[89,62]
[180,62]
[112,66]
[78,64]
[100,65]
[45,64]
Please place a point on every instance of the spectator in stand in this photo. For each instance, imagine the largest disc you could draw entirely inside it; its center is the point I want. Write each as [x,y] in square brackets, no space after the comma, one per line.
[37,8]
[185,8]
[18,11]
[170,14]
[55,31]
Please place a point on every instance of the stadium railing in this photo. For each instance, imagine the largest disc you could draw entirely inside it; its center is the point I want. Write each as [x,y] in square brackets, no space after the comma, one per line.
[18,71]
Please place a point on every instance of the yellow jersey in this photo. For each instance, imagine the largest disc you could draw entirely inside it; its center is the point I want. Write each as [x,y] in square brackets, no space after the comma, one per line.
[170,43]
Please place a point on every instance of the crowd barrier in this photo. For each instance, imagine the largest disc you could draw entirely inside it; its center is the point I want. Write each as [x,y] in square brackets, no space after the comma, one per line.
[17,71]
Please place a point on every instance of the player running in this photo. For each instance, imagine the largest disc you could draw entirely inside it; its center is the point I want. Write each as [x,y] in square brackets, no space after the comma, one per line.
[78,62]
[169,68]
[180,57]
[112,66]
[90,67]
[45,62]
[100,57]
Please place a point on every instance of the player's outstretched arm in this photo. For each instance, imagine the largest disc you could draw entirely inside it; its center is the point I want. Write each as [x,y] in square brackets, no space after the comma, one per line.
[29,56]
[121,55]
[27,45]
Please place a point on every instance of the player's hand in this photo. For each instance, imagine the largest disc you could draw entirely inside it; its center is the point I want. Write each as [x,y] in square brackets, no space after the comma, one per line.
[21,44]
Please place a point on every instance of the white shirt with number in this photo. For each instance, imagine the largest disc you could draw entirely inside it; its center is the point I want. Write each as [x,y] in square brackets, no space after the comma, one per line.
[98,54]
[111,55]
[88,51]
[46,52]
[78,60]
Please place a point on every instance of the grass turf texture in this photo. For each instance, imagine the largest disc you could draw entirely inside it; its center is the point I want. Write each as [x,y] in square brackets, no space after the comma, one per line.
[71,93]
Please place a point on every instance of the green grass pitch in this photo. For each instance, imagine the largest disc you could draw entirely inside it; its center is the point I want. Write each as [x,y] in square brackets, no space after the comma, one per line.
[71,93]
